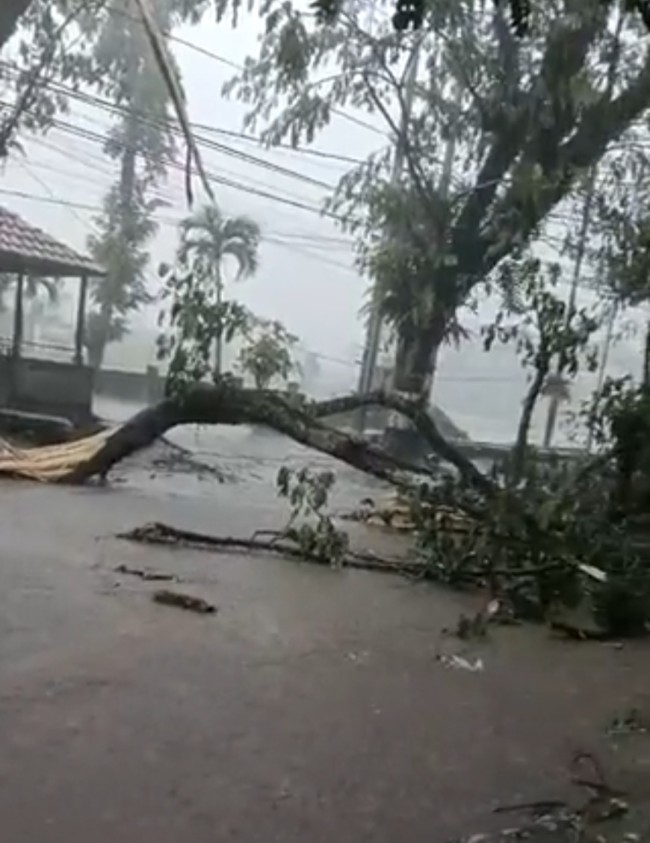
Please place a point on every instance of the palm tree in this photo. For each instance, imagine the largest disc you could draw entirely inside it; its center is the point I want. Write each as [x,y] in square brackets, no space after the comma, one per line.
[207,237]
[33,286]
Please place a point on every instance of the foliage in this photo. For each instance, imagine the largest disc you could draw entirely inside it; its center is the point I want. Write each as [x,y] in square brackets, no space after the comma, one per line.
[402,260]
[119,245]
[195,315]
[572,534]
[552,534]
[208,239]
[553,544]
[143,147]
[267,353]
[66,44]
[527,119]
[47,47]
[623,239]
[411,13]
[198,317]
[543,329]
[308,494]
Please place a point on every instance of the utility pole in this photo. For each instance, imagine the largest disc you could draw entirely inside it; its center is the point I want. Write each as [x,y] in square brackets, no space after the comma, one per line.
[554,404]
[375,322]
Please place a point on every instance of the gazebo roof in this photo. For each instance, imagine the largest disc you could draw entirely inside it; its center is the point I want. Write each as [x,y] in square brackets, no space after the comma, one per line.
[25,248]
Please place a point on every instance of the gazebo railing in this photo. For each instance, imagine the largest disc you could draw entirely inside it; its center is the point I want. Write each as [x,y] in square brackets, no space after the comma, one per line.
[43,350]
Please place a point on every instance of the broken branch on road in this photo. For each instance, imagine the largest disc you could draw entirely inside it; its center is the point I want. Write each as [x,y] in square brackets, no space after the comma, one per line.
[165,534]
[184,601]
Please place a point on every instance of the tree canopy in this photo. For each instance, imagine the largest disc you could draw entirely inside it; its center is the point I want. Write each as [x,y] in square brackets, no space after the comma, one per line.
[500,132]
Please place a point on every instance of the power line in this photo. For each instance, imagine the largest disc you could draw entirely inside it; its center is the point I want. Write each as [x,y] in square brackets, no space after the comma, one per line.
[51,193]
[99,138]
[222,60]
[86,134]
[306,238]
[169,125]
[52,200]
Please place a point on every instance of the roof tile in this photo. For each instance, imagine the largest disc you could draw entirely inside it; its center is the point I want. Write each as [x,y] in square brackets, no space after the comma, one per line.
[31,245]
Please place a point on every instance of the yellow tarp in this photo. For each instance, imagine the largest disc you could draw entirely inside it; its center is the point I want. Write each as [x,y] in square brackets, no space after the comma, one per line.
[50,463]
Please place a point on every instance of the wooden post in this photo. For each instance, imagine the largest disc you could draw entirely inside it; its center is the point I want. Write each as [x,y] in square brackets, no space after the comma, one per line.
[18,316]
[81,322]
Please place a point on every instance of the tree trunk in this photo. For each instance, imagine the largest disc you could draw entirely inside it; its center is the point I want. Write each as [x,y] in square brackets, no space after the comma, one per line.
[416,358]
[127,191]
[127,174]
[518,459]
[96,348]
[218,346]
[646,357]
[551,420]
[225,404]
[415,361]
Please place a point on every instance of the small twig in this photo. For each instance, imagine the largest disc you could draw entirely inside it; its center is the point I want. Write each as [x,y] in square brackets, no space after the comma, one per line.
[187,457]
[541,806]
[149,576]
[276,534]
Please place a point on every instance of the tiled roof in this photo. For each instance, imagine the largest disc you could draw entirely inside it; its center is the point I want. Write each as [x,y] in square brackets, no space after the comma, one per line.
[25,248]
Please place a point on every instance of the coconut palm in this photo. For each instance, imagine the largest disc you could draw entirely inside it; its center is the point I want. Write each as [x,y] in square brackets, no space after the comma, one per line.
[207,238]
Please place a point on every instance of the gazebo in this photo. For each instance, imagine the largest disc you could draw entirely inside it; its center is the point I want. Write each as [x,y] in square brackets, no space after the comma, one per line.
[33,384]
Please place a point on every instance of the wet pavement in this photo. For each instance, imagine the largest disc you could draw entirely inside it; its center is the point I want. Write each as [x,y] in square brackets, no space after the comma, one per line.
[311,707]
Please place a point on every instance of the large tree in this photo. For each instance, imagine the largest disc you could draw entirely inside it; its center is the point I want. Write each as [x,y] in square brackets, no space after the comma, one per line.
[530,117]
[142,142]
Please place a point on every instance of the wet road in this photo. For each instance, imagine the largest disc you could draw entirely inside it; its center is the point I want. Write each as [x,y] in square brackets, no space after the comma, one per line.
[310,708]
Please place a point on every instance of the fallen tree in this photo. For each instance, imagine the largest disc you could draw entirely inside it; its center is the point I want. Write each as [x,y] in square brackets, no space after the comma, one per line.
[225,403]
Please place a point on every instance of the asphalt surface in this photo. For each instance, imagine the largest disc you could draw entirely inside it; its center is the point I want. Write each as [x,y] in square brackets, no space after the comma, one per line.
[311,707]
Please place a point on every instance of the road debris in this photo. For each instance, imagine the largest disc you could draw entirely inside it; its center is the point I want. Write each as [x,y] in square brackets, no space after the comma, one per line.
[184,601]
[146,574]
[633,722]
[461,663]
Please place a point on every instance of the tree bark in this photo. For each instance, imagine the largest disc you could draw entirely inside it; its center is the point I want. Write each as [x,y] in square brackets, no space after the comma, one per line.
[224,403]
[518,459]
[218,344]
[646,357]
[127,186]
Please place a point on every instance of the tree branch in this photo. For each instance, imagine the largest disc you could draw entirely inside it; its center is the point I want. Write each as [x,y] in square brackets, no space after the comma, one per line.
[601,123]
[518,458]
[164,534]
[227,404]
[402,140]
[524,133]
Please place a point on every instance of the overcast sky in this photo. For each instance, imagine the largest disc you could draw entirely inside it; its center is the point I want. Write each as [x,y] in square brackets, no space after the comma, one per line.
[307,277]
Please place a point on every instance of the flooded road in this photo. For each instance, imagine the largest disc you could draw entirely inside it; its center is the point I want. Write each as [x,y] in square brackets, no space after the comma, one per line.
[311,707]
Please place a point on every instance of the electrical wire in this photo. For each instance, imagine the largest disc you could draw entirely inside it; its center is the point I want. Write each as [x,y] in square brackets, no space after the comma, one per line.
[172,126]
[222,60]
[300,204]
[311,239]
[171,221]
